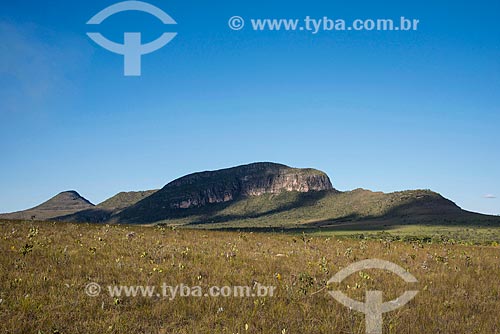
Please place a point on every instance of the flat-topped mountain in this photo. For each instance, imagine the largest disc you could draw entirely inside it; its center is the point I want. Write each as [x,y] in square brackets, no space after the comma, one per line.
[65,203]
[225,185]
[201,189]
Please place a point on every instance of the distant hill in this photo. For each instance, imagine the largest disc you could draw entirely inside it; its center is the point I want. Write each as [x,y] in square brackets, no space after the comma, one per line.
[65,203]
[104,211]
[124,199]
[260,196]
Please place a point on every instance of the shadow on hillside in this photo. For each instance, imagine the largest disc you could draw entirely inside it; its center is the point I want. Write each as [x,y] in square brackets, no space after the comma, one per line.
[93,215]
[413,213]
[308,199]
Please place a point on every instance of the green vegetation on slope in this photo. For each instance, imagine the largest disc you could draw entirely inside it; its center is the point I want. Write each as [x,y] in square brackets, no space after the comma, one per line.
[125,199]
[330,209]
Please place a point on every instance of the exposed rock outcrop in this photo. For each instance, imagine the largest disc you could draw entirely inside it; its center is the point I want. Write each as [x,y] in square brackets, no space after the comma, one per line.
[201,189]
[249,180]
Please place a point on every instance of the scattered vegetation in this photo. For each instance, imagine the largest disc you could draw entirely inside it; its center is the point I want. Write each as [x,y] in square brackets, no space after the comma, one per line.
[45,268]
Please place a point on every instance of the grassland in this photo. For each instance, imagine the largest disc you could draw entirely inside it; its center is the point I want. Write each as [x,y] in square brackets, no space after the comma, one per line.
[45,268]
[461,234]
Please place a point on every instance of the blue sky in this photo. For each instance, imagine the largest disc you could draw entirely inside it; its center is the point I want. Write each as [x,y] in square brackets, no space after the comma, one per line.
[384,111]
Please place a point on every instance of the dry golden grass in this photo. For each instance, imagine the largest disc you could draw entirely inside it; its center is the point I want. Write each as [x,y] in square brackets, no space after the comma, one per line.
[45,267]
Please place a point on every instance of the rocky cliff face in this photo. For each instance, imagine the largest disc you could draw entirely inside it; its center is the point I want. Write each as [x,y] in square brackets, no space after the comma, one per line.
[250,180]
[199,190]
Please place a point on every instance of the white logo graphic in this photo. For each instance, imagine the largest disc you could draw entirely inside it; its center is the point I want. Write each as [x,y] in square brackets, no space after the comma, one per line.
[132,49]
[236,23]
[373,307]
[92,289]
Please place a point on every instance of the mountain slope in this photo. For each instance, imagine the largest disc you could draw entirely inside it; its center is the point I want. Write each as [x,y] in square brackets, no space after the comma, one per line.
[328,208]
[65,203]
[125,199]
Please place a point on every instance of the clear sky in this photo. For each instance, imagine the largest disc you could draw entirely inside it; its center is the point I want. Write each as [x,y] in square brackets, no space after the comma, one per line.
[384,111]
